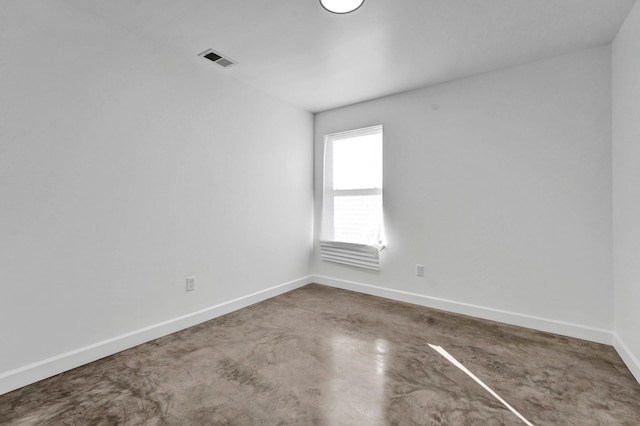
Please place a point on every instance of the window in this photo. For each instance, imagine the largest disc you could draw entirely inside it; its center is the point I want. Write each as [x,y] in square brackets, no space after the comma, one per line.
[352,197]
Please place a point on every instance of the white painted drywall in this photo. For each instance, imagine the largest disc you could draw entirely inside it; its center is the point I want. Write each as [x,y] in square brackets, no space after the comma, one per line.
[626,187]
[499,184]
[127,166]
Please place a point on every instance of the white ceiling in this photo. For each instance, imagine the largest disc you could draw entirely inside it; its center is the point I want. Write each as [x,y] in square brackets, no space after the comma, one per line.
[298,52]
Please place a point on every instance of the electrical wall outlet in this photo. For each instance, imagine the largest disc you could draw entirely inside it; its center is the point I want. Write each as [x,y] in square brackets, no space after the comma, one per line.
[191,283]
[419,270]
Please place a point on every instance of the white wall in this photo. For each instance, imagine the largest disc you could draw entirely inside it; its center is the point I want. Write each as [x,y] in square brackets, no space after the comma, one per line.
[500,184]
[124,168]
[626,189]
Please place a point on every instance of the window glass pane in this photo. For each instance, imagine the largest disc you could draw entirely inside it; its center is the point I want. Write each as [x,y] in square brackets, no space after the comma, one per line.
[357,162]
[357,218]
[352,187]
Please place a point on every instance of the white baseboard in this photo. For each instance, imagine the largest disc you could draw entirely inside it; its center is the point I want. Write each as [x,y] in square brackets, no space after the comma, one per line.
[32,373]
[633,363]
[537,323]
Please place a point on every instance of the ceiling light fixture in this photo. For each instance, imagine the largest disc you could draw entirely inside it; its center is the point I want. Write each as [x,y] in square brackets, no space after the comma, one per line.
[341,6]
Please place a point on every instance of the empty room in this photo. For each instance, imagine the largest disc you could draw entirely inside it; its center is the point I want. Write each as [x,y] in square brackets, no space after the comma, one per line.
[414,212]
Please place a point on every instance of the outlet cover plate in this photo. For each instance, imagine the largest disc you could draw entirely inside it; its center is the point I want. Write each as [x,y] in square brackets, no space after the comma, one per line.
[191,283]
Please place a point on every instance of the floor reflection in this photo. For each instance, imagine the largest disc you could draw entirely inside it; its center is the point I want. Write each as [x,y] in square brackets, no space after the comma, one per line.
[356,388]
[468,372]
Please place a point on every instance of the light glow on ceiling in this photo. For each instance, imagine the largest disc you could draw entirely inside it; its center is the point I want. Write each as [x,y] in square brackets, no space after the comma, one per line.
[341,6]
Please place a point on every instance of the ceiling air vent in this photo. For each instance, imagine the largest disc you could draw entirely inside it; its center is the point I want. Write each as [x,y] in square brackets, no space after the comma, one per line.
[219,59]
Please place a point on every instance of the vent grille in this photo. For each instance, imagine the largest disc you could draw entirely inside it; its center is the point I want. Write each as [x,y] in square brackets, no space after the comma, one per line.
[218,58]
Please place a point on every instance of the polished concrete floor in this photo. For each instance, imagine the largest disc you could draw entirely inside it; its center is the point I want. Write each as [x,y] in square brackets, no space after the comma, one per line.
[322,356]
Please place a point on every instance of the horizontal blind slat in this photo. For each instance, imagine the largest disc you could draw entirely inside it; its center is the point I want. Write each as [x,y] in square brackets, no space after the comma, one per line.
[360,256]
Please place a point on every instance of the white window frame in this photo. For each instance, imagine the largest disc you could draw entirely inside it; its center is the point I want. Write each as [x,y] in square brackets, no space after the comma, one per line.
[349,253]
